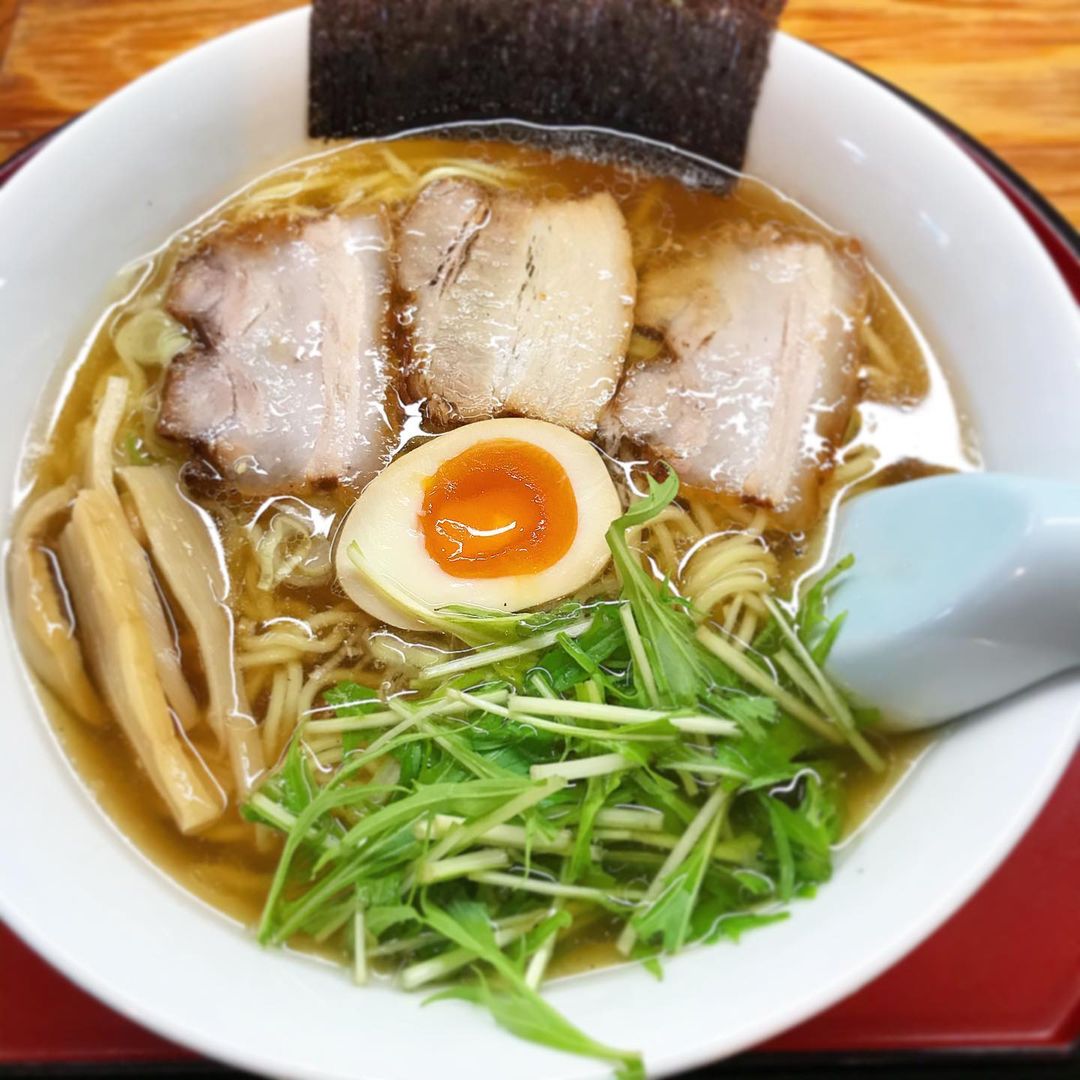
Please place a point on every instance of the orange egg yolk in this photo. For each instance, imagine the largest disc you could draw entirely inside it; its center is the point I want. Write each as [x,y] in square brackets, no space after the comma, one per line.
[501,507]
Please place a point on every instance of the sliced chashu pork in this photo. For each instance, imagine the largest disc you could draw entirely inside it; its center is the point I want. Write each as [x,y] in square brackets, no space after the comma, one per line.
[521,307]
[758,387]
[287,384]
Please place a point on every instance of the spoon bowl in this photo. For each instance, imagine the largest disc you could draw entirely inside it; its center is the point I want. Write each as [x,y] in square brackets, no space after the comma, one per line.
[965,589]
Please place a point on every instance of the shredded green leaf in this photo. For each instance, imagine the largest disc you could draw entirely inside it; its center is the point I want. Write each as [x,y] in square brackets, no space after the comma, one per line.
[443,843]
[514,1004]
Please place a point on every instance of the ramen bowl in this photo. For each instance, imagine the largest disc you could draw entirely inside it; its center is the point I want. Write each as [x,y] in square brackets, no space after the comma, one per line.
[119,181]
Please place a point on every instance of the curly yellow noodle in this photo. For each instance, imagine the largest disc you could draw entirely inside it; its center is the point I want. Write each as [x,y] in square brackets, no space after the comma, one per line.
[271,721]
[276,733]
[880,355]
[723,570]
[859,463]
[391,181]
[702,517]
[747,628]
[254,681]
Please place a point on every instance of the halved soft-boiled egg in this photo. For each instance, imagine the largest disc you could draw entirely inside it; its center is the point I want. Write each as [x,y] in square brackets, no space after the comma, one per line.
[501,514]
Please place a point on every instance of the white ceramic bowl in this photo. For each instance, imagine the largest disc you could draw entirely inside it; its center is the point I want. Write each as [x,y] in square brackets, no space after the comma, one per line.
[117,182]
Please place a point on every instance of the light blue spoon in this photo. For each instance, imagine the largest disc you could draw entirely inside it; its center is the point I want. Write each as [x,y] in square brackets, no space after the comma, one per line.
[965,589]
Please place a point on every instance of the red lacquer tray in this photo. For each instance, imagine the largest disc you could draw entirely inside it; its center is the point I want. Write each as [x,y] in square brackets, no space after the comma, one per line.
[1003,973]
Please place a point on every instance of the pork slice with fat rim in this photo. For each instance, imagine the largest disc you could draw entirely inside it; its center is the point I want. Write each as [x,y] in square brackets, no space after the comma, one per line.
[760,376]
[520,307]
[287,382]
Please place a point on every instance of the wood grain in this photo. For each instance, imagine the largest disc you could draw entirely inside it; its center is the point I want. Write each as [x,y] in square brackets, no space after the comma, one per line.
[1006,70]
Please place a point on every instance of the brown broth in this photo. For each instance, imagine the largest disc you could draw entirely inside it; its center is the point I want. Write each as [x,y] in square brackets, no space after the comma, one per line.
[222,866]
[910,406]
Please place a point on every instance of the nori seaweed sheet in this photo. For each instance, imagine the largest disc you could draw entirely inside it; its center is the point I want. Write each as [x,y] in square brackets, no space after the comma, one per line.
[682,72]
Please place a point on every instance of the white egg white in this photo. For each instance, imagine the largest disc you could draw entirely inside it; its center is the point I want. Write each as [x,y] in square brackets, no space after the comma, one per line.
[385,524]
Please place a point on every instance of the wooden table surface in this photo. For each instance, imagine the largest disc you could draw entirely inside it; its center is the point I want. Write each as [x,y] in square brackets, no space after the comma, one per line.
[1006,70]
